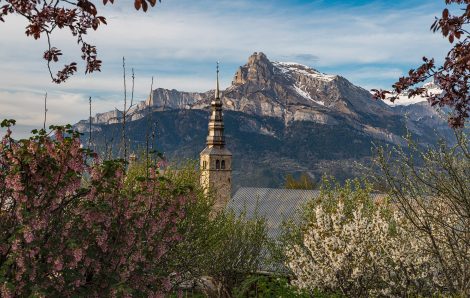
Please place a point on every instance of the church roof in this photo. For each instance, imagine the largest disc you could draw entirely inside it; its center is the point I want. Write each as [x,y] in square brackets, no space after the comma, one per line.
[274,204]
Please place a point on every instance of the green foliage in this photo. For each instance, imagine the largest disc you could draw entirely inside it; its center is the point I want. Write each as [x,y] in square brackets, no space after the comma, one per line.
[7,122]
[267,286]
[225,246]
[237,245]
[352,193]
[303,182]
[188,293]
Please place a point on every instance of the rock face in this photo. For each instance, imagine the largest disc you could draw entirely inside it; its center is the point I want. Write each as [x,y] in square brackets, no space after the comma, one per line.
[173,99]
[297,92]
[290,91]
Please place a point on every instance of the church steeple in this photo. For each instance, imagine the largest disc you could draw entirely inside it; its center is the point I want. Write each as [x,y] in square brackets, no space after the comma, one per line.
[215,159]
[216,136]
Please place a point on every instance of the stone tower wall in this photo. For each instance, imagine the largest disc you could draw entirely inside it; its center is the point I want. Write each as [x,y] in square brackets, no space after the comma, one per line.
[217,181]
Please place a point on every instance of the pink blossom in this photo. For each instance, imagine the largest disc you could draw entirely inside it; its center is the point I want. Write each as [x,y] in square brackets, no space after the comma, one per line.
[59,136]
[5,292]
[28,236]
[43,177]
[77,254]
[14,182]
[167,284]
[58,265]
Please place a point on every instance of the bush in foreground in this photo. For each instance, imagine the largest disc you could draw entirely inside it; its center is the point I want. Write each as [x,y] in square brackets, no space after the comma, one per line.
[431,188]
[70,228]
[356,245]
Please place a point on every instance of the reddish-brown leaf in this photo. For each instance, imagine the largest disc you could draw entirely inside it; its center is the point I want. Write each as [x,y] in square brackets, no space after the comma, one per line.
[144,5]
[138,4]
[445,14]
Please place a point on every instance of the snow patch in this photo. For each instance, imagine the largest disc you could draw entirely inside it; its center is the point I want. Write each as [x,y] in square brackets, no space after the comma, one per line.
[292,64]
[292,67]
[404,100]
[306,95]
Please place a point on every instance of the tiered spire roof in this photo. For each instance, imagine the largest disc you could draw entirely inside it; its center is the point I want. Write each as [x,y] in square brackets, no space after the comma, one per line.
[216,138]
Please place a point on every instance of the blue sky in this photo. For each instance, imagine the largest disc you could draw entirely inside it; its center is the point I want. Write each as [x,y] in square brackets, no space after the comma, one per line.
[371,43]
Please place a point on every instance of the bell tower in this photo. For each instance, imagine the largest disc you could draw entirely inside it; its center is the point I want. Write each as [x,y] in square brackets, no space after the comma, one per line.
[215,159]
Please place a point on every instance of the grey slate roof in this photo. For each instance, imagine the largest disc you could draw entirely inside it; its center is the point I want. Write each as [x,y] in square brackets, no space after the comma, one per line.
[275,205]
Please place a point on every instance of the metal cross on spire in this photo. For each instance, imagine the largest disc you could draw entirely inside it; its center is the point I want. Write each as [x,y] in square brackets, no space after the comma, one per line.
[217,88]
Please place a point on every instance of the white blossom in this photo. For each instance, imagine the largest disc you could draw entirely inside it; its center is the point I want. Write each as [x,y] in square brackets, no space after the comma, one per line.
[368,253]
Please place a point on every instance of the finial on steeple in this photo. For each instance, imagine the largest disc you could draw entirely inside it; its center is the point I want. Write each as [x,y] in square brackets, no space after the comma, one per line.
[217,89]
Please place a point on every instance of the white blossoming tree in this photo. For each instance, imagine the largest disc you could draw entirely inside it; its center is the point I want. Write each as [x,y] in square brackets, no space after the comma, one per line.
[358,246]
[431,187]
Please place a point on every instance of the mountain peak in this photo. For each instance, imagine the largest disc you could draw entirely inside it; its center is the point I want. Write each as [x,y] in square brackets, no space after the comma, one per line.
[257,70]
[257,57]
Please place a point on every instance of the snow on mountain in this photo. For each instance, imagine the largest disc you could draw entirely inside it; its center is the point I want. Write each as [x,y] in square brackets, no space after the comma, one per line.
[404,100]
[305,95]
[289,67]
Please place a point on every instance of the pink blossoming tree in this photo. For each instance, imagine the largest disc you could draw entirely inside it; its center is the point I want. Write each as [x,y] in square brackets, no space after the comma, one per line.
[68,227]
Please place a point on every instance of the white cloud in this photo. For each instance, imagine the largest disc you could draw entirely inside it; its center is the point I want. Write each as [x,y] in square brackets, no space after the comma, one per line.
[27,107]
[186,35]
[365,76]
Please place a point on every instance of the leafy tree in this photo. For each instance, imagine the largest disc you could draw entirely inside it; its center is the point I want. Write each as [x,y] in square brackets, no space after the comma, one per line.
[354,244]
[79,16]
[453,76]
[304,182]
[68,228]
[219,249]
[432,188]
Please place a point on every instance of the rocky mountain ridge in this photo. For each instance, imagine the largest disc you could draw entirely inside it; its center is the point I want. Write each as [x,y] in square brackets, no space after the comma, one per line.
[285,90]
[280,118]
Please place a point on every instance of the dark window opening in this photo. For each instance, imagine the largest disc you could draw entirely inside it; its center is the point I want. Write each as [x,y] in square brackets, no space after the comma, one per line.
[204,165]
[223,165]
[217,164]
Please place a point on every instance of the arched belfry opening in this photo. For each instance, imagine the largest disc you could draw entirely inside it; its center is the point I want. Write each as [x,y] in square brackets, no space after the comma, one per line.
[216,159]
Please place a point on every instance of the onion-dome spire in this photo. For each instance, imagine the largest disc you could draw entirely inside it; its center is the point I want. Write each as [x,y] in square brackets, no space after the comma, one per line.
[216,123]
